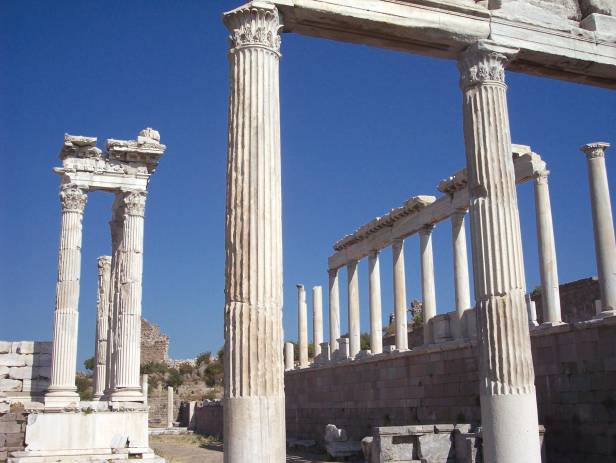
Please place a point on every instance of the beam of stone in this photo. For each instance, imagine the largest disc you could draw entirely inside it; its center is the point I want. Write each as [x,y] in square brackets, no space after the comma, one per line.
[254,404]
[334,310]
[62,389]
[353,303]
[506,375]
[102,326]
[549,45]
[126,352]
[376,320]
[460,272]
[603,225]
[548,269]
[400,320]
[428,291]
[302,326]
[289,356]
[317,319]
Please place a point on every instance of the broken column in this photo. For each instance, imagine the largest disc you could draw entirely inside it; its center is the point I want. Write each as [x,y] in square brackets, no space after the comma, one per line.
[317,319]
[376,328]
[102,326]
[402,342]
[334,310]
[62,390]
[170,417]
[603,225]
[289,356]
[506,376]
[254,405]
[428,291]
[460,271]
[353,302]
[548,269]
[302,326]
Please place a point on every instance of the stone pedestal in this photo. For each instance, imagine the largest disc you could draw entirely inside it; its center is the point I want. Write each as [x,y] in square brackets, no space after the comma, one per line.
[254,406]
[376,322]
[507,391]
[460,272]
[317,319]
[603,225]
[353,301]
[62,390]
[302,326]
[334,310]
[402,342]
[102,326]
[548,269]
[428,291]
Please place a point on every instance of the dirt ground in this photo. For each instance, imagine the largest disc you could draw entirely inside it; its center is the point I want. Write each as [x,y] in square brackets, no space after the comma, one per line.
[192,448]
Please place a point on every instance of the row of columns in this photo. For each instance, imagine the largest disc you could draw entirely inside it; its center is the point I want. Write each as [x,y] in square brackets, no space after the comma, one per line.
[118,318]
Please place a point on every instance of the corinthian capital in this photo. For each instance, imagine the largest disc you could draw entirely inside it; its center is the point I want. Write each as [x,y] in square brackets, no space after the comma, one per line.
[255,24]
[484,62]
[595,150]
[72,198]
[134,202]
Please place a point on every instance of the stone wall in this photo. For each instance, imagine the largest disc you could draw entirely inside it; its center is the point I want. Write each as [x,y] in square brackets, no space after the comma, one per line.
[154,344]
[577,300]
[575,368]
[208,419]
[25,371]
[12,431]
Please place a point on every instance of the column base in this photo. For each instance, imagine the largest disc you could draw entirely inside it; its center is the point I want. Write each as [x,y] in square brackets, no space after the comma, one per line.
[61,398]
[126,395]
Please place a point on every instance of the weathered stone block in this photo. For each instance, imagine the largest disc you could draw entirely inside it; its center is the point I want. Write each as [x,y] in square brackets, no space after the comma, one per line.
[10,385]
[10,427]
[23,347]
[4,371]
[20,372]
[12,360]
[5,347]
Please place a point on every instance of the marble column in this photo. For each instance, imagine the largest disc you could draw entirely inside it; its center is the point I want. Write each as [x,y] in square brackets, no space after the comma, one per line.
[376,319]
[353,302]
[532,312]
[334,310]
[289,356]
[126,356]
[170,415]
[548,270]
[254,404]
[506,376]
[428,292]
[302,326]
[317,319]
[460,272]
[402,341]
[603,225]
[102,326]
[62,390]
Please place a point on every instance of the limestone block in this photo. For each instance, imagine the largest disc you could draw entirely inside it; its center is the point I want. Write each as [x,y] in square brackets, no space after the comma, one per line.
[12,360]
[603,25]
[5,347]
[23,347]
[43,347]
[436,448]
[366,448]
[604,7]
[334,434]
[10,385]
[20,372]
[4,408]
[4,371]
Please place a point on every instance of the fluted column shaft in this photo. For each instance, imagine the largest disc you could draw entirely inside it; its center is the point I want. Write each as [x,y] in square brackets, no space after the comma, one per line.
[603,225]
[376,318]
[334,310]
[302,326]
[317,319]
[402,340]
[428,291]
[126,355]
[102,325]
[460,271]
[548,269]
[254,369]
[353,302]
[507,391]
[62,390]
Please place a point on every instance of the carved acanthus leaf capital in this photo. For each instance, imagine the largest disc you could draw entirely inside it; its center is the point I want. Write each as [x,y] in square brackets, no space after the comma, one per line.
[254,24]
[134,202]
[484,62]
[595,150]
[73,198]
[104,263]
[542,177]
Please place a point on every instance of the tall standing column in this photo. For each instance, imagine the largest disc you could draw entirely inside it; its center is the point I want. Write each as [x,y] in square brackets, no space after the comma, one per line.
[353,301]
[334,310]
[376,319]
[302,326]
[126,355]
[254,405]
[102,325]
[317,319]
[62,390]
[548,269]
[428,292]
[460,271]
[506,376]
[603,225]
[402,340]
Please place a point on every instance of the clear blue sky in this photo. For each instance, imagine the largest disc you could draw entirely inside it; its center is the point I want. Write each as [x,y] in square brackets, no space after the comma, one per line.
[362,130]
